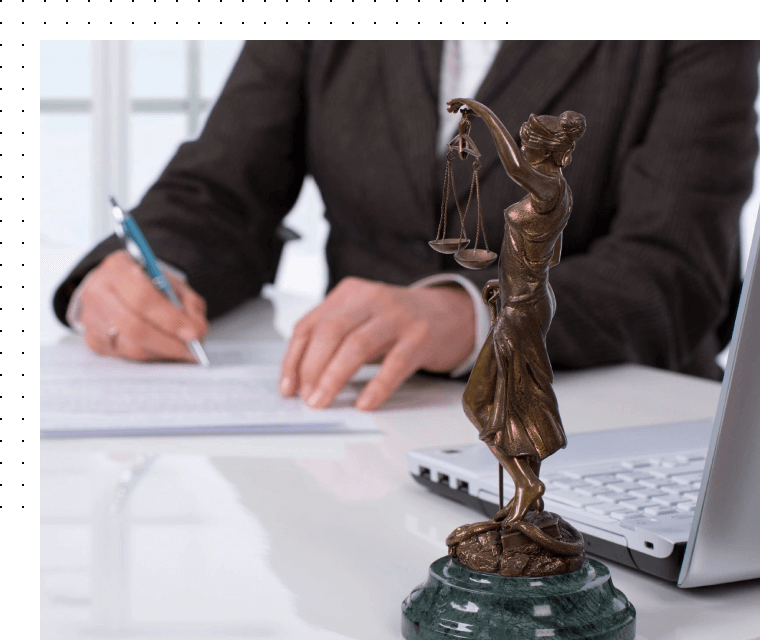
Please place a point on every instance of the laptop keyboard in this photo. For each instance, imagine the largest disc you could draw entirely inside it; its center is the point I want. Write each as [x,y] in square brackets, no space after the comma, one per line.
[629,489]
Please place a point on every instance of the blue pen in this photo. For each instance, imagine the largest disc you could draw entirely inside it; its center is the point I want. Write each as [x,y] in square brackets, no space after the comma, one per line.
[139,249]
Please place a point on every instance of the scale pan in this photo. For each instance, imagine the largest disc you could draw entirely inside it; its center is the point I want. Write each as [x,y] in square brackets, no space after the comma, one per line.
[449,245]
[476,258]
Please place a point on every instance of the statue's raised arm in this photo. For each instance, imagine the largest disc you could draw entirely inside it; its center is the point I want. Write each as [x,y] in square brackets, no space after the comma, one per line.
[519,163]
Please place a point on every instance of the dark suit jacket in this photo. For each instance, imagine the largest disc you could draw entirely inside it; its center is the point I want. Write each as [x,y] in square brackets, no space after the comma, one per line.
[650,255]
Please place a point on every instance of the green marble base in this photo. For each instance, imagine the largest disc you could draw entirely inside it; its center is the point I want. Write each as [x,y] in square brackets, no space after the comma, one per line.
[460,603]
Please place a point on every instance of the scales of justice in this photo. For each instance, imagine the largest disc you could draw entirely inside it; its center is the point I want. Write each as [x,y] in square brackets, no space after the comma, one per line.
[524,573]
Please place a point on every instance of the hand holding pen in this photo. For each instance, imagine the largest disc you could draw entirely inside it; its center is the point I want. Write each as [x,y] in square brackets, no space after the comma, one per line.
[124,314]
[140,251]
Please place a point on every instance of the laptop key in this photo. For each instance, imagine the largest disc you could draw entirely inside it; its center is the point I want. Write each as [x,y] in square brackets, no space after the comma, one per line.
[587,472]
[601,479]
[602,490]
[572,499]
[659,511]
[685,506]
[674,489]
[636,464]
[636,504]
[681,469]
[568,483]
[655,483]
[634,476]
[626,515]
[667,500]
[666,471]
[592,490]
[645,494]
[691,457]
[687,478]
[622,487]
[613,497]
[604,509]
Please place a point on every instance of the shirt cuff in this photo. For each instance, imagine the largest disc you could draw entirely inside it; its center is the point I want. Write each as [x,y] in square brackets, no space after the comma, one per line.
[482,314]
[74,310]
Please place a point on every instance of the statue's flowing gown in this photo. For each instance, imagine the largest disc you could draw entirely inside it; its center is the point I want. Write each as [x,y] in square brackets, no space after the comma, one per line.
[509,396]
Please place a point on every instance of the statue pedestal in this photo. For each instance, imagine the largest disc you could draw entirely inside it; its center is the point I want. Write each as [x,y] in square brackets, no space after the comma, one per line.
[462,603]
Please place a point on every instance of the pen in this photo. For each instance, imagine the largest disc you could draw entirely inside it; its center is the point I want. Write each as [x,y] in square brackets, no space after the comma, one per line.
[138,247]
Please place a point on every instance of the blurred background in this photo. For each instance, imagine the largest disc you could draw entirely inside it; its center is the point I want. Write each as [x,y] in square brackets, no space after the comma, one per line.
[112,114]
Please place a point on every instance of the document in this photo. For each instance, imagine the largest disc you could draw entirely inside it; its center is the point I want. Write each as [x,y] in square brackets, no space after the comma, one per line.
[83,394]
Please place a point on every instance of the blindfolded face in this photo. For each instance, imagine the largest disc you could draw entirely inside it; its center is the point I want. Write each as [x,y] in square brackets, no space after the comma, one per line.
[535,155]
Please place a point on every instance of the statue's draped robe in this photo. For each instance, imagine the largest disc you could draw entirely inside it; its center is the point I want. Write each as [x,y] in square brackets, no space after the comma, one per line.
[509,396]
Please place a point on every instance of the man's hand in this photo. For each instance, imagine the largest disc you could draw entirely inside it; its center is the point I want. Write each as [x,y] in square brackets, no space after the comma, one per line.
[359,322]
[124,315]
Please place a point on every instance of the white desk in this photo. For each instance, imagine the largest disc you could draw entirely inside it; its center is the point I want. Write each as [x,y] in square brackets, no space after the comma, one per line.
[311,536]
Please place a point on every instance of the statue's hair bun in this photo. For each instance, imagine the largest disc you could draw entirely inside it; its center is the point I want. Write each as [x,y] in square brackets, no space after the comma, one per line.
[573,124]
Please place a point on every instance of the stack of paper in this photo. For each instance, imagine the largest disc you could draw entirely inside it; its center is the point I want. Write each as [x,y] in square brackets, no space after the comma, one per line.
[83,394]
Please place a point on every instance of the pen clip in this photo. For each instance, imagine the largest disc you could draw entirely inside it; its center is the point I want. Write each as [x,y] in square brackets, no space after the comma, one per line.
[129,243]
[118,218]
[119,230]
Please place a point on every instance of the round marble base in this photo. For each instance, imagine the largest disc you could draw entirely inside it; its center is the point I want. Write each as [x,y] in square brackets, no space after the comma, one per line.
[462,603]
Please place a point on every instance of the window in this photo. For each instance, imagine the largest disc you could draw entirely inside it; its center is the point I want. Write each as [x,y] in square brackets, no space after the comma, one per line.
[112,115]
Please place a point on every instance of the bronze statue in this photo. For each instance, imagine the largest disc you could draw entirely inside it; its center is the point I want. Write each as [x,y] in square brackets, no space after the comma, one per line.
[509,396]
[487,585]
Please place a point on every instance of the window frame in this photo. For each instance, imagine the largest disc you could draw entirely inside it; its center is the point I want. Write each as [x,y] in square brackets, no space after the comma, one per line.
[110,107]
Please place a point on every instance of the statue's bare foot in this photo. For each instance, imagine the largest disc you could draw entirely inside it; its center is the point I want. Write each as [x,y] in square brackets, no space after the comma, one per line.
[524,498]
[505,512]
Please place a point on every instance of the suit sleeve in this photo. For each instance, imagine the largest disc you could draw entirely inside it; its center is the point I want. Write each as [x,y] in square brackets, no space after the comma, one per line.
[215,208]
[656,287]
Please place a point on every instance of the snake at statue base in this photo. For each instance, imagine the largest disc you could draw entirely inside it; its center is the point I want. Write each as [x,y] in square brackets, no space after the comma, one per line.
[528,529]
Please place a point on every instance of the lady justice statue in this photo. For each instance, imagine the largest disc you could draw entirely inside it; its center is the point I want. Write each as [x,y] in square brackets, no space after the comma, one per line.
[509,396]
[524,573]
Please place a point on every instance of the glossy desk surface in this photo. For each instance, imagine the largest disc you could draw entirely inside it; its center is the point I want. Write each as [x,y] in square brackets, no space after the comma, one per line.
[311,536]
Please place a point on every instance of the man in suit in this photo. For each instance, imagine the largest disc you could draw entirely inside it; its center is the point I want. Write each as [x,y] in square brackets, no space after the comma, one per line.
[650,258]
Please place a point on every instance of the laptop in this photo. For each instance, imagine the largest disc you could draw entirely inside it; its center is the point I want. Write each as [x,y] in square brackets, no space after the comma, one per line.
[677,501]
